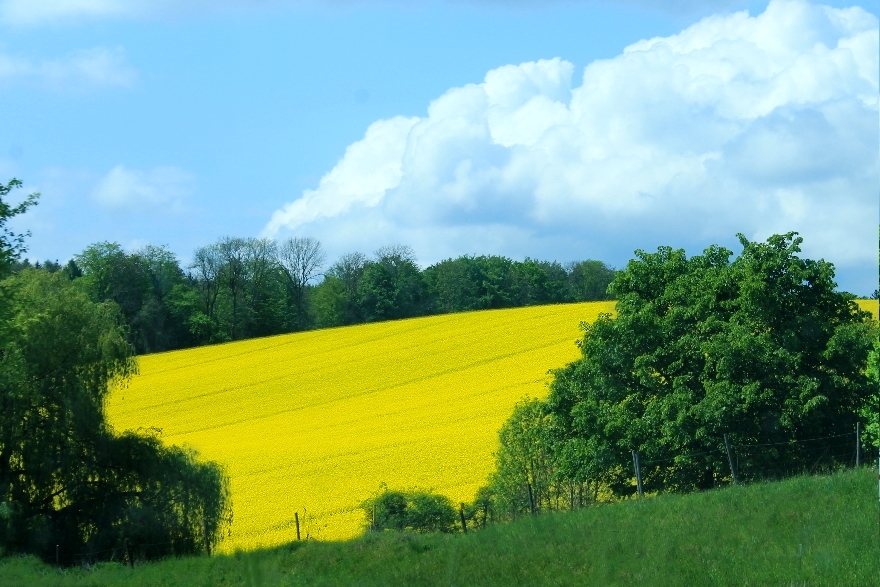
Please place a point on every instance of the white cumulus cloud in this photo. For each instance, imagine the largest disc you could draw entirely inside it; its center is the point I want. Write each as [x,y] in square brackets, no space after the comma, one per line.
[369,168]
[753,124]
[134,190]
[87,68]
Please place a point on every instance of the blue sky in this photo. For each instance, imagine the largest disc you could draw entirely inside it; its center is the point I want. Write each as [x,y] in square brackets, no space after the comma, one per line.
[555,130]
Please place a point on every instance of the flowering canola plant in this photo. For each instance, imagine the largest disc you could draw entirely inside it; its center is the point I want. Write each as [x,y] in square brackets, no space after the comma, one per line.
[315,422]
[872,306]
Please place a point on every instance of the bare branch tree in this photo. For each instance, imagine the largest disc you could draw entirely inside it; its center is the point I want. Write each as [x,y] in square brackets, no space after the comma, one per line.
[301,260]
[260,258]
[349,269]
[205,270]
[233,273]
[260,263]
[395,255]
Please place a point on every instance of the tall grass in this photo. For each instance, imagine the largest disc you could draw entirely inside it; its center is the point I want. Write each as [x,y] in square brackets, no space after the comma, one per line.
[806,531]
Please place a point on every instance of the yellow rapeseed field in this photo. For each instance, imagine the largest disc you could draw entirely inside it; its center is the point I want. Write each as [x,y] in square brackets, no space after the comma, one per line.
[872,306]
[315,422]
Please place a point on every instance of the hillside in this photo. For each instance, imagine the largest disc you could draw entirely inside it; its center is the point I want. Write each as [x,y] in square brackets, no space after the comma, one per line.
[315,422]
[817,531]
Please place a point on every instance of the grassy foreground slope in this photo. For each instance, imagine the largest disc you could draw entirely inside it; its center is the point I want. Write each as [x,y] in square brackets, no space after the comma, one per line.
[812,531]
[314,422]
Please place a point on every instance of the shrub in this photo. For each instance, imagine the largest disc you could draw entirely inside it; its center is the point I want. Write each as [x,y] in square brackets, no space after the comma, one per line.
[415,511]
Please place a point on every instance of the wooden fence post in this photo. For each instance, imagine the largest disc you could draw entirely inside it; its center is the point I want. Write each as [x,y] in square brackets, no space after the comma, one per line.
[128,554]
[296,519]
[858,443]
[730,459]
[637,465]
[463,522]
[57,555]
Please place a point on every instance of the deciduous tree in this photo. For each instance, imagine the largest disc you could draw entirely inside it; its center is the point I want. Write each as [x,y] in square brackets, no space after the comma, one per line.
[65,478]
[762,348]
[301,260]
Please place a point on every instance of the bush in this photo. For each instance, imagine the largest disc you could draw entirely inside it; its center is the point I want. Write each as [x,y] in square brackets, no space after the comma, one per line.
[414,511]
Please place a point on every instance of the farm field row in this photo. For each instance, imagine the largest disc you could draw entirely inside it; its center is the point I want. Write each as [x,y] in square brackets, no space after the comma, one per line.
[315,422]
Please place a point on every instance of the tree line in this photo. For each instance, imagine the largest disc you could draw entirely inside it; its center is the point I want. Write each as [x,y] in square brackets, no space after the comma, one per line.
[238,288]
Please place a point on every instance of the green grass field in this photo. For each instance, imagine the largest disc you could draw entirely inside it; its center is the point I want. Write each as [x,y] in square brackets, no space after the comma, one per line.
[806,531]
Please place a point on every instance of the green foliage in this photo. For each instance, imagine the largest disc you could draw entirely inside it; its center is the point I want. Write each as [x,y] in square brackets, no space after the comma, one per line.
[415,511]
[64,476]
[141,284]
[488,282]
[453,283]
[524,463]
[377,293]
[528,478]
[236,289]
[336,298]
[391,287]
[870,411]
[11,244]
[762,348]
[589,280]
[483,510]
[330,303]
[240,288]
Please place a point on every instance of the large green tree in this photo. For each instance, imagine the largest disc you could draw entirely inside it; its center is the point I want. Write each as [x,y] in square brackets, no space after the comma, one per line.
[762,348]
[148,285]
[391,287]
[65,477]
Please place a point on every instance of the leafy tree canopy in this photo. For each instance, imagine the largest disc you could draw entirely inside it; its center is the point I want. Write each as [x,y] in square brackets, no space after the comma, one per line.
[761,348]
[11,244]
[65,477]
